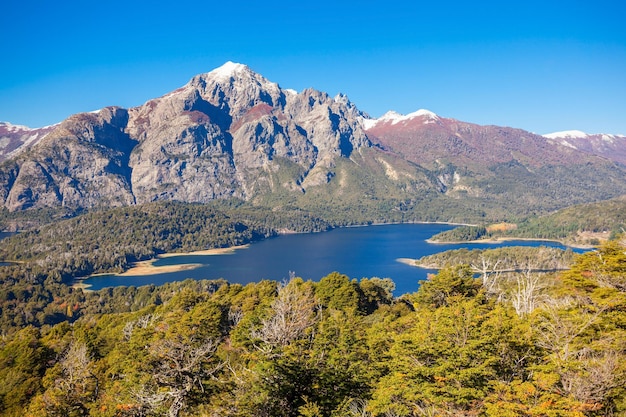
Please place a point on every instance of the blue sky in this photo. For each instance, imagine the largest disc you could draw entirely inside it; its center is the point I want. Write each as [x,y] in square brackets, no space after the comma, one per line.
[537,65]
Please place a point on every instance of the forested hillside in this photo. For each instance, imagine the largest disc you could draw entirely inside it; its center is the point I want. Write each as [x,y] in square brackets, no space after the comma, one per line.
[507,258]
[33,287]
[553,346]
[585,224]
[523,338]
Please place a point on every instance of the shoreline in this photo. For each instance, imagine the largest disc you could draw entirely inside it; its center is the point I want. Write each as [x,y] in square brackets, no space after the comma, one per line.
[408,222]
[214,251]
[498,240]
[413,262]
[147,267]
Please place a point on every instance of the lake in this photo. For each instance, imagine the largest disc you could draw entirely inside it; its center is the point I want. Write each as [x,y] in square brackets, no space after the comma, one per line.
[358,252]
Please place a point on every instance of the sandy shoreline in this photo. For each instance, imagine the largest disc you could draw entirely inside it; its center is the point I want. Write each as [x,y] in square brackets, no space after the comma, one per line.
[148,267]
[407,261]
[413,262]
[216,251]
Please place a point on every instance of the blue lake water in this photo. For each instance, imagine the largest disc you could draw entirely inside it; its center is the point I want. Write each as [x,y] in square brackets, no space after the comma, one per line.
[357,252]
[6,234]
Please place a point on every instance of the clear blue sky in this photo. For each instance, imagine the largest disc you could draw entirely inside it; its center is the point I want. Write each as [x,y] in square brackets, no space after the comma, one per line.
[542,66]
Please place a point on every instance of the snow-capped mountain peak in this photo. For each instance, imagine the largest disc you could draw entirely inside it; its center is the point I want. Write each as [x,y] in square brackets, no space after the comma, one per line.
[391,115]
[609,146]
[228,70]
[394,117]
[232,82]
[15,138]
[566,134]
[14,128]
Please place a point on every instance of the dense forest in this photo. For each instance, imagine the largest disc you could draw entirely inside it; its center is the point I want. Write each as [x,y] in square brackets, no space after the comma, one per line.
[33,287]
[109,240]
[506,258]
[500,332]
[586,224]
[337,347]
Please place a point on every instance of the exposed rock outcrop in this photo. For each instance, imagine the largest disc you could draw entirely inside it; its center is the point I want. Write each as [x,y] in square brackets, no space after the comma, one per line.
[233,133]
[224,134]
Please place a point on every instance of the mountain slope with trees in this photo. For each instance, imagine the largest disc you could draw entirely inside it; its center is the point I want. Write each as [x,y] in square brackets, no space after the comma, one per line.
[584,224]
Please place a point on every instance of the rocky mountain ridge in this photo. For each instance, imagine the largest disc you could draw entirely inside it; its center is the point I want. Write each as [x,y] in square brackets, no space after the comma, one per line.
[442,137]
[231,133]
[499,165]
[222,135]
[608,146]
[15,138]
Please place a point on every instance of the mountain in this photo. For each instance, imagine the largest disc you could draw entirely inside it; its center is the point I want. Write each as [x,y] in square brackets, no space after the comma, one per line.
[500,166]
[609,146]
[227,133]
[15,138]
[428,140]
[231,133]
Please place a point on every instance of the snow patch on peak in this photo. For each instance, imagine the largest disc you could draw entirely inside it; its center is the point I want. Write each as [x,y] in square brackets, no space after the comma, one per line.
[422,113]
[14,128]
[368,123]
[569,145]
[566,134]
[390,115]
[341,98]
[612,138]
[228,70]
[242,75]
[394,117]
[291,91]
[608,138]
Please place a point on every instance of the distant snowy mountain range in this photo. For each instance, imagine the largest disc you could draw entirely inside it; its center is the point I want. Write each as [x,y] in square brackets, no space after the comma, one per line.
[602,144]
[609,146]
[14,138]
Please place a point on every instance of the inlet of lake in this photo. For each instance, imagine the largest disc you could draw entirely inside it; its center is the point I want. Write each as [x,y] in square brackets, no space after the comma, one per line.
[358,252]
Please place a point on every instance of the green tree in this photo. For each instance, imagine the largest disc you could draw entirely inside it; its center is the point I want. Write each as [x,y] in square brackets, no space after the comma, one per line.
[22,365]
[336,291]
[449,282]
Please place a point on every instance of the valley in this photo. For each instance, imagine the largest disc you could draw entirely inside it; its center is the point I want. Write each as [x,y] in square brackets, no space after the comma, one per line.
[272,304]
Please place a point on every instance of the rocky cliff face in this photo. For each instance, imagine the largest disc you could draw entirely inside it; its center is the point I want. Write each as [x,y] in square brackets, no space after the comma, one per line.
[224,134]
[233,133]
[83,162]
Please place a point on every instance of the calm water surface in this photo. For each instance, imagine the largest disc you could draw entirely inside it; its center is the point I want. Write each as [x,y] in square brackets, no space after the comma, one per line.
[358,252]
